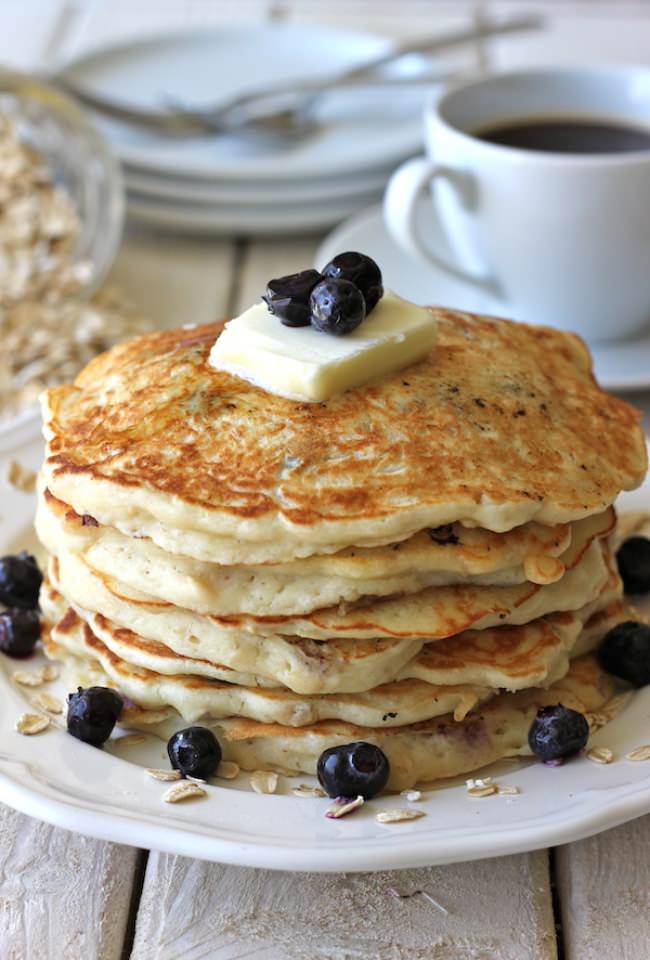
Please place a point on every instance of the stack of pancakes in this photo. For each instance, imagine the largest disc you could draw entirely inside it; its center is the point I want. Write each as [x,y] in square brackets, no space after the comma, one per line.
[420,562]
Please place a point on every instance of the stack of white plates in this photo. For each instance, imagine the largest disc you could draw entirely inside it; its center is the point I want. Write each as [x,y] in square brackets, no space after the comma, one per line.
[227,185]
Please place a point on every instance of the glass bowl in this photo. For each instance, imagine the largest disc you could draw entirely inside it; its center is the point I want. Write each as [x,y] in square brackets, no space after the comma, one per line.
[78,159]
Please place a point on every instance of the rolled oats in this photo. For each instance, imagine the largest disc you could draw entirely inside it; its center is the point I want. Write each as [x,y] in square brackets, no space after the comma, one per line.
[508,790]
[28,678]
[600,755]
[480,787]
[20,477]
[31,723]
[304,790]
[411,795]
[184,791]
[487,791]
[263,781]
[596,720]
[48,331]
[639,753]
[47,702]
[342,806]
[397,814]
[227,770]
[163,774]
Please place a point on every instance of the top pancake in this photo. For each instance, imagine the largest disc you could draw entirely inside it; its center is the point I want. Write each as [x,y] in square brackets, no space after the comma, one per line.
[502,424]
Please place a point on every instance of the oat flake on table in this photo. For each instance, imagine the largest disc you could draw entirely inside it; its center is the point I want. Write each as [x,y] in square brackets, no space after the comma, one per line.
[48,331]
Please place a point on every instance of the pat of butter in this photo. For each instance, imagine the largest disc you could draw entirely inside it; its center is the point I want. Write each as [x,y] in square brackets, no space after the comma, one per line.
[303,363]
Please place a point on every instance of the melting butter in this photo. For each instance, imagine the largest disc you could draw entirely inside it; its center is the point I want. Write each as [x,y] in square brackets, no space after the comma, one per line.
[303,363]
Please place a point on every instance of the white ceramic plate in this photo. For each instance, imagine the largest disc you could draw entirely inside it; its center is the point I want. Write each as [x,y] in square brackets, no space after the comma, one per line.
[259,193]
[106,794]
[622,365]
[363,130]
[260,221]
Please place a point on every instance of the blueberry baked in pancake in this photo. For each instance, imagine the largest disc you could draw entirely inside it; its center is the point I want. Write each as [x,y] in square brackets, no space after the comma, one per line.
[341,535]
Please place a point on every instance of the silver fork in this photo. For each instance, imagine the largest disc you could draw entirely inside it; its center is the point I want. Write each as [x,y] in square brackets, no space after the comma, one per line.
[242,114]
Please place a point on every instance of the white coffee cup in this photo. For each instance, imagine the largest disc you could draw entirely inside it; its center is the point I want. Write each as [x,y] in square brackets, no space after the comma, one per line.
[561,239]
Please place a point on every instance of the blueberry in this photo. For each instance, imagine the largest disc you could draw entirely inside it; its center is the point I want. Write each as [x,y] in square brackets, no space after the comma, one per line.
[20,581]
[337,307]
[92,714]
[353,769]
[19,631]
[633,558]
[360,270]
[195,751]
[626,652]
[444,535]
[557,732]
[288,297]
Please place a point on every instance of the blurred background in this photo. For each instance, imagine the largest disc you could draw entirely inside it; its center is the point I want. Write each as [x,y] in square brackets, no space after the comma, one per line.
[152,226]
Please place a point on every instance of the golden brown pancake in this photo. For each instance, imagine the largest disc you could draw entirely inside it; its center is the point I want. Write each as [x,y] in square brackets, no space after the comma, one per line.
[502,424]
[422,752]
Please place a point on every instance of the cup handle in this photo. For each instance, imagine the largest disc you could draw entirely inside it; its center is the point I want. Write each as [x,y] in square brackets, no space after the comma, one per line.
[404,189]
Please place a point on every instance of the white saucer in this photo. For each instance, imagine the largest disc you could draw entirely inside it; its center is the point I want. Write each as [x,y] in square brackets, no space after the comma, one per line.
[361,130]
[622,365]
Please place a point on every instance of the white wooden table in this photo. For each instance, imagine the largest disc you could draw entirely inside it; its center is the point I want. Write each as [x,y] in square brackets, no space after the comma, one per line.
[66,896]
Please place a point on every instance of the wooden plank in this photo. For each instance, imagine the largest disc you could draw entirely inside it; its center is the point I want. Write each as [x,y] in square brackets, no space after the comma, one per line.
[604,888]
[175,280]
[574,34]
[61,895]
[497,910]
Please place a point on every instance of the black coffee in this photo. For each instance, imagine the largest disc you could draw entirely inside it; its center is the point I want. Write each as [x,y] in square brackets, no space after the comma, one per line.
[567,135]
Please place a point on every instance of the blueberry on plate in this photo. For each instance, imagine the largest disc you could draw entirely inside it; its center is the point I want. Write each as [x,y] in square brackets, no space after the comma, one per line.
[353,769]
[625,652]
[557,732]
[20,581]
[92,714]
[337,307]
[360,270]
[19,631]
[288,297]
[195,751]
[633,558]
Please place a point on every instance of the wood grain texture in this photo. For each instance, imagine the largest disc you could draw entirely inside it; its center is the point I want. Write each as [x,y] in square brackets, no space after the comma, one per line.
[498,910]
[62,896]
[261,261]
[604,887]
[175,280]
